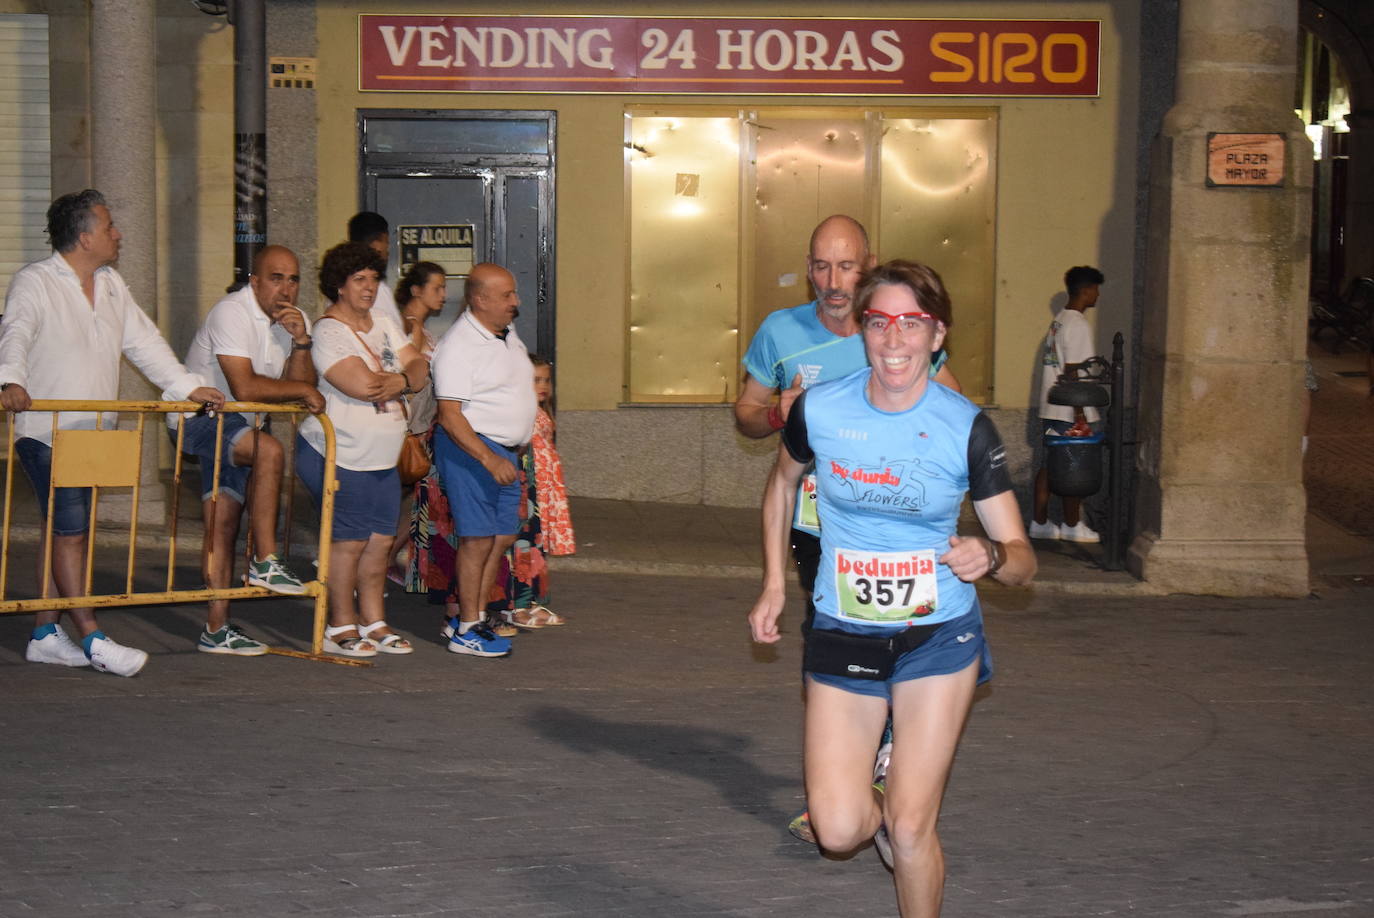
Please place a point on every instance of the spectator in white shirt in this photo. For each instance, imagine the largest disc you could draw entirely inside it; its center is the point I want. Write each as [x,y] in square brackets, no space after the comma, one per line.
[366,366]
[1069,341]
[484,383]
[255,344]
[68,319]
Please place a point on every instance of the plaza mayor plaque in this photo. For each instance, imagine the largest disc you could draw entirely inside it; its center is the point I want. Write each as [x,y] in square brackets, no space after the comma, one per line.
[1245,160]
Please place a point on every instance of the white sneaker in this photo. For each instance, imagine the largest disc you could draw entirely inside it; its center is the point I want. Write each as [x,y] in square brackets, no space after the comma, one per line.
[1044,530]
[56,648]
[111,657]
[1079,533]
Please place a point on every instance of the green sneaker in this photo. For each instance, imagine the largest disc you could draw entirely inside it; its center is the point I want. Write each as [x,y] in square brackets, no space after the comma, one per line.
[270,572]
[230,639]
[800,827]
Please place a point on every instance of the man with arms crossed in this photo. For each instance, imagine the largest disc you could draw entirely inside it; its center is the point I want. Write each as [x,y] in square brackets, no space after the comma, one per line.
[68,320]
[484,384]
[255,345]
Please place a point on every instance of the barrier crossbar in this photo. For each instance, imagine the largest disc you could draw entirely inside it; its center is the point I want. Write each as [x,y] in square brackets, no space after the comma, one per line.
[111,457]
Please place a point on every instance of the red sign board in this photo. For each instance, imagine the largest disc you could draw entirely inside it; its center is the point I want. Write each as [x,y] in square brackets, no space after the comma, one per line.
[613,54]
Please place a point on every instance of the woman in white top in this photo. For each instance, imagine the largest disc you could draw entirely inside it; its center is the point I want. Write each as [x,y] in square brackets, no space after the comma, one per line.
[366,365]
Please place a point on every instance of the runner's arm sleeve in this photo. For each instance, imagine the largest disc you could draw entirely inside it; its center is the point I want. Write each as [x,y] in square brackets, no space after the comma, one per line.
[794,435]
[987,460]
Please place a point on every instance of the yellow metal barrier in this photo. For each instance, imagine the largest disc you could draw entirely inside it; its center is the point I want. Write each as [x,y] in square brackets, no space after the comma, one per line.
[104,458]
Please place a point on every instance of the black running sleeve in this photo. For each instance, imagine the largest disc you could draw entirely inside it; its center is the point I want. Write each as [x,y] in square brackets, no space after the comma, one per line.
[987,460]
[794,432]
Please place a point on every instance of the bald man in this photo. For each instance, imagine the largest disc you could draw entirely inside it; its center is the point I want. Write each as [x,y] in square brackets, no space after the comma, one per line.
[484,384]
[255,345]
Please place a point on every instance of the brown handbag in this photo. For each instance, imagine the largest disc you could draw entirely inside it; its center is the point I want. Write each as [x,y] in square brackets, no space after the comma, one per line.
[414,462]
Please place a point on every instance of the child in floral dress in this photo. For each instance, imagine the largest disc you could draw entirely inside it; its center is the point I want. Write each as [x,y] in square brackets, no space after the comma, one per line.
[547,528]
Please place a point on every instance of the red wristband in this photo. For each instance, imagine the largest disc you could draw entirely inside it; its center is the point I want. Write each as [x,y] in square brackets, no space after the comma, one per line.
[775,420]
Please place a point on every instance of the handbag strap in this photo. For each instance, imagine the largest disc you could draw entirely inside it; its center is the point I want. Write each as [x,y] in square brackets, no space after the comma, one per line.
[381,368]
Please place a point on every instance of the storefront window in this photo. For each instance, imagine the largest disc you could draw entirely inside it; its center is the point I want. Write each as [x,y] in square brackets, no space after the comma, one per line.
[706,270]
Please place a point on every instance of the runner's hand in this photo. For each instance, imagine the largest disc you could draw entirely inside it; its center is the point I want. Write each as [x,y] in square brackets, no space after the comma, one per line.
[969,557]
[789,395]
[763,618]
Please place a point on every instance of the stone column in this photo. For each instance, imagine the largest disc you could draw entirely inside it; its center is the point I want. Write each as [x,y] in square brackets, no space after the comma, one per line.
[1220,506]
[123,166]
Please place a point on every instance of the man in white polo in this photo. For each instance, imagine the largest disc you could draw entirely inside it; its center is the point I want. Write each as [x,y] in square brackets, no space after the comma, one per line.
[484,384]
[255,345]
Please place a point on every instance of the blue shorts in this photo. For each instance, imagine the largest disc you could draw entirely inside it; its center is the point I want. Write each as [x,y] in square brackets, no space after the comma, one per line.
[953,646]
[71,511]
[480,506]
[199,441]
[366,503]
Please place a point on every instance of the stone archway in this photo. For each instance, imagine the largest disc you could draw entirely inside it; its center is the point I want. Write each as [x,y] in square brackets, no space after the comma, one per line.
[1339,24]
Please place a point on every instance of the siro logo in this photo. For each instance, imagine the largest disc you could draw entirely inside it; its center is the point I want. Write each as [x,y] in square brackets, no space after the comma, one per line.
[856,668]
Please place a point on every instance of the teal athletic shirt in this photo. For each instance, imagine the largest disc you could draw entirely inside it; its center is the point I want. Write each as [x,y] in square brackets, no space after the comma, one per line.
[793,342]
[889,487]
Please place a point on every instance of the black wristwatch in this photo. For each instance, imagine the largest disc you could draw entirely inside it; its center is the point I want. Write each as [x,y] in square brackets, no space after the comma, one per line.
[297,346]
[999,556]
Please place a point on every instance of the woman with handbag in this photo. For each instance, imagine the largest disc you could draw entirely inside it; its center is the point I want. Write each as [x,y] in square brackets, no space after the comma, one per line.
[897,617]
[366,365]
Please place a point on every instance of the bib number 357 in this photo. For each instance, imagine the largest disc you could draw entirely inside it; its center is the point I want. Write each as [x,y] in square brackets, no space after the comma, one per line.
[885,586]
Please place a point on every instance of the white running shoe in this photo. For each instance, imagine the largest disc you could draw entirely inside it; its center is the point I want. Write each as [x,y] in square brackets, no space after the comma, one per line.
[56,648]
[108,656]
[1044,530]
[1079,533]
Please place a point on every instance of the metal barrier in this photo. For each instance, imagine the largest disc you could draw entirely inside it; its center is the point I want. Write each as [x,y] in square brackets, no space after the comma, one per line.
[104,458]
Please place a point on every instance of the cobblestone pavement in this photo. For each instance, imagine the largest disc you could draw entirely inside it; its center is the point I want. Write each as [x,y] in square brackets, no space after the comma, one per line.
[1163,757]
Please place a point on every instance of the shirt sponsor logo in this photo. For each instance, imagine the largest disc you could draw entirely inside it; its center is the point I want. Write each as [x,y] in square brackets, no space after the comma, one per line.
[872,567]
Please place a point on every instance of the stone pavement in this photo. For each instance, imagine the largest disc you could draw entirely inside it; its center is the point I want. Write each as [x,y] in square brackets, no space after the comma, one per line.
[1164,757]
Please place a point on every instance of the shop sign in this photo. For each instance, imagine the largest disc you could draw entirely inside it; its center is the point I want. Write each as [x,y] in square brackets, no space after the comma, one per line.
[447,245]
[1245,159]
[620,54]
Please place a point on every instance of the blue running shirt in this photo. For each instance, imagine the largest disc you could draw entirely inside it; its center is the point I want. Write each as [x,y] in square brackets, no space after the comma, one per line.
[889,488]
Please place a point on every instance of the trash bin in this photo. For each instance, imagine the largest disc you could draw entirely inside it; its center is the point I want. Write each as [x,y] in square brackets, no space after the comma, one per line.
[1075,464]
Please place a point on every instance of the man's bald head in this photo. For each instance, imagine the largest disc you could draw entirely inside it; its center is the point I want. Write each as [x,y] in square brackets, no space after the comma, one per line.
[843,225]
[490,294]
[838,255]
[276,278]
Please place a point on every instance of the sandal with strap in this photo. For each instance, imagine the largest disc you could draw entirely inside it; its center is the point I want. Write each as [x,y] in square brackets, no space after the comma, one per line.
[534,617]
[387,643]
[550,617]
[354,646]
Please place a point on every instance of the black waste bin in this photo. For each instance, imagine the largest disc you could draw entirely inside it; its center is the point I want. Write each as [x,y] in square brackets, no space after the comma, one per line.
[1074,464]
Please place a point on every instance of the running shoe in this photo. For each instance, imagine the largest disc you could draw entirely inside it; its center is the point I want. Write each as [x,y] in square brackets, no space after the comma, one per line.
[271,573]
[109,656]
[1044,530]
[56,647]
[800,827]
[479,641]
[230,639]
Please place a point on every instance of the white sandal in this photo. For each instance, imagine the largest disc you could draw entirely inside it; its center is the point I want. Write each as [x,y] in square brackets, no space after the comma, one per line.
[350,646]
[389,643]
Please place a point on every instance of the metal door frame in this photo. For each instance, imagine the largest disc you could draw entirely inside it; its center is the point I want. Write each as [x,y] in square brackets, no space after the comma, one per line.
[373,165]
